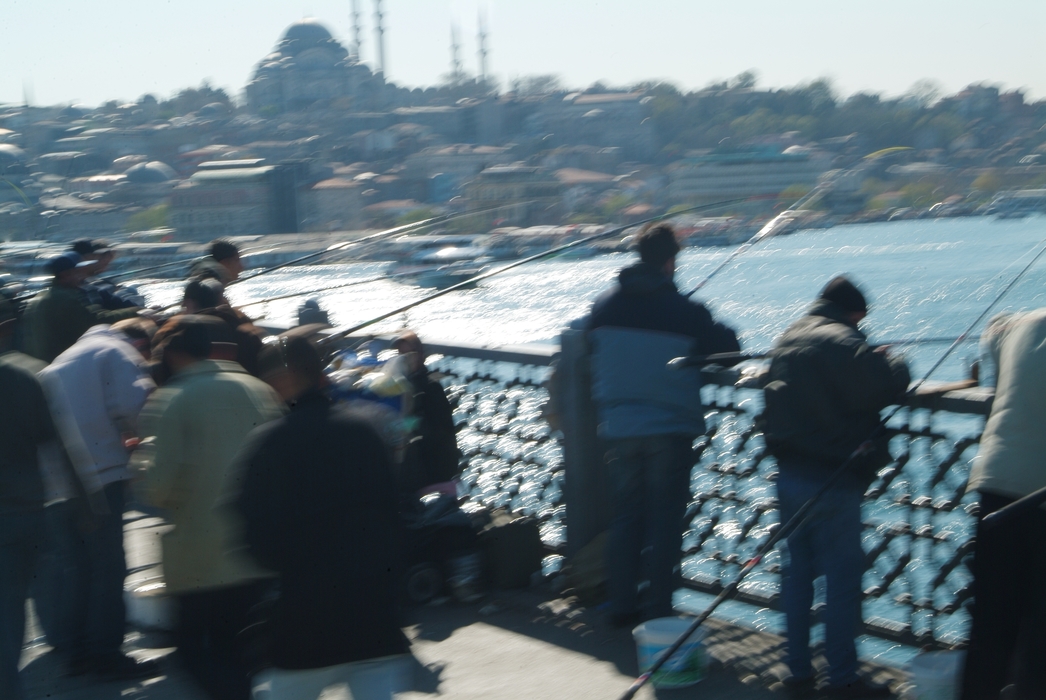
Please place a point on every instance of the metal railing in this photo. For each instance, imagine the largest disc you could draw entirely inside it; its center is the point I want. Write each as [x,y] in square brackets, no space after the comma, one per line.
[918,521]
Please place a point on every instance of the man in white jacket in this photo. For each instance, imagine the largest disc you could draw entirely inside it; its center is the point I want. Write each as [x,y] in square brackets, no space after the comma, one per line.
[96,389]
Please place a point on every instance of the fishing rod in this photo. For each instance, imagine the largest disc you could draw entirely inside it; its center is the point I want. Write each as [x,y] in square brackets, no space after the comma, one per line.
[324,289]
[735,357]
[771,228]
[797,520]
[131,273]
[538,256]
[424,223]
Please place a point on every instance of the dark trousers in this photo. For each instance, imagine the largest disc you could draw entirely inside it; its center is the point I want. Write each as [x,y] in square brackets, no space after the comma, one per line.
[53,589]
[1008,630]
[209,622]
[21,536]
[97,612]
[650,486]
[829,545]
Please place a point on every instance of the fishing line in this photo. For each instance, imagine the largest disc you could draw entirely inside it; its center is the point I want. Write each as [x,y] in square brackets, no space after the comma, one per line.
[771,228]
[797,520]
[505,268]
[425,223]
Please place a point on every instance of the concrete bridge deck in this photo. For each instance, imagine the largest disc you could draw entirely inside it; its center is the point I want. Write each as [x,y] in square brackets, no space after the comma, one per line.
[528,644]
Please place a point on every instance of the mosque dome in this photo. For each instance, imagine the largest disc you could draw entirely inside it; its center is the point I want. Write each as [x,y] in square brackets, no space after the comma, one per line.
[307,30]
[153,172]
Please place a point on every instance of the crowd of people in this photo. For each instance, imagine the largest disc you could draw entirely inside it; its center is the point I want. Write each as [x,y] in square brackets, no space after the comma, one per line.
[285,552]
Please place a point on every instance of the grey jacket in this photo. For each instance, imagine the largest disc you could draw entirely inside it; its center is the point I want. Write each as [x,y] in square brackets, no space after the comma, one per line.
[635,392]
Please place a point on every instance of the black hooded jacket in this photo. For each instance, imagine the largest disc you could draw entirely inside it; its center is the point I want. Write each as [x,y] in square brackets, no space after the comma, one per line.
[825,389]
[319,507]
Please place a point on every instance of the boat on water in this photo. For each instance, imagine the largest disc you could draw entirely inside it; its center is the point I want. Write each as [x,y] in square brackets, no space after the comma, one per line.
[441,268]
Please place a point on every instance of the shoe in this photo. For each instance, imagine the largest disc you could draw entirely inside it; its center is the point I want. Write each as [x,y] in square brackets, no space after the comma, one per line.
[125,668]
[859,689]
[801,688]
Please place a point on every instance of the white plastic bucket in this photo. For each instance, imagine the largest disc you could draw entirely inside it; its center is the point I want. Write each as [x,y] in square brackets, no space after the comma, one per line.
[686,667]
[936,675]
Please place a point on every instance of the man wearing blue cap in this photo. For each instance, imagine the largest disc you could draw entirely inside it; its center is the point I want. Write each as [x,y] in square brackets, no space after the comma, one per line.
[58,316]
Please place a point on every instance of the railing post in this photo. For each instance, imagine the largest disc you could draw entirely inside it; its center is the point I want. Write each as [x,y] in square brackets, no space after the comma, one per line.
[585,486]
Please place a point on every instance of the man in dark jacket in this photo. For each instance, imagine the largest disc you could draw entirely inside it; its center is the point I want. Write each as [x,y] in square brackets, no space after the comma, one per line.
[826,387]
[649,415]
[319,505]
[432,455]
[25,425]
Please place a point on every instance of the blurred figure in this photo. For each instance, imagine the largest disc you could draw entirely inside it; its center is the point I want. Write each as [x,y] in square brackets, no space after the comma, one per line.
[433,460]
[96,389]
[202,293]
[204,296]
[1008,630]
[197,422]
[25,426]
[58,316]
[319,505]
[223,263]
[825,391]
[310,312]
[650,416]
[102,292]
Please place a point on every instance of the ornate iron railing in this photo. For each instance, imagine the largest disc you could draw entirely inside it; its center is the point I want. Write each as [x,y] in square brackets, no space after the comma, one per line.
[918,520]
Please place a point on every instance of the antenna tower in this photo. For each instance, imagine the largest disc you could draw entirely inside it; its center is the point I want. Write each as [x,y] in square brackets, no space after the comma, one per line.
[379,29]
[356,39]
[482,47]
[456,72]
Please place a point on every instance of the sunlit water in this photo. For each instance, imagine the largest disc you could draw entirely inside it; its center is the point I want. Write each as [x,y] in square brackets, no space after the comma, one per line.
[925,278]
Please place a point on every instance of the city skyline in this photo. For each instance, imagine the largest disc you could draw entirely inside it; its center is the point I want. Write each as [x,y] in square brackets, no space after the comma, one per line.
[76,53]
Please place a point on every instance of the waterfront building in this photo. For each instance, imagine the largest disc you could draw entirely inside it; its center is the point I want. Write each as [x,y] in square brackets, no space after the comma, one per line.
[534,194]
[598,119]
[334,204]
[226,198]
[744,172]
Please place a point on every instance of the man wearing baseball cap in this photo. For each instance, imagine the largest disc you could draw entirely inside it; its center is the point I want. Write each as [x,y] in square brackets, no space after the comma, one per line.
[59,315]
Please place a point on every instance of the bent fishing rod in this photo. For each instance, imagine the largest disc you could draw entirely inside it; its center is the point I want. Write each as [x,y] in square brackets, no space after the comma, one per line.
[538,256]
[797,520]
[771,229]
[424,223]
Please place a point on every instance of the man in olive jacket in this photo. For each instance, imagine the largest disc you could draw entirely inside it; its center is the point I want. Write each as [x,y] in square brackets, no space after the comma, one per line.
[197,423]
[826,387]
[59,315]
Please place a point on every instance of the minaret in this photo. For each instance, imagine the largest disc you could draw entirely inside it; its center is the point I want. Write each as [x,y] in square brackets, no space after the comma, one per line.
[456,73]
[482,51]
[379,29]
[356,40]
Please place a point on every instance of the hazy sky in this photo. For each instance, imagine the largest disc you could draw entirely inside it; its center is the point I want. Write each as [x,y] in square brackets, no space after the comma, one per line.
[90,51]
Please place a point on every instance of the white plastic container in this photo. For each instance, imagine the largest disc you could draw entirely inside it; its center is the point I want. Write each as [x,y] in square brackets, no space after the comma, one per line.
[686,667]
[936,675]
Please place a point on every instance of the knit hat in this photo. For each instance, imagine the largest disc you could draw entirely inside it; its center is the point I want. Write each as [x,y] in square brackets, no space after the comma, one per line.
[845,294]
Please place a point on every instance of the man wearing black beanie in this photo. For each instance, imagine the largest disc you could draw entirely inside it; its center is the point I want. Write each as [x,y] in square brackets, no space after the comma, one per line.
[649,416]
[825,389]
